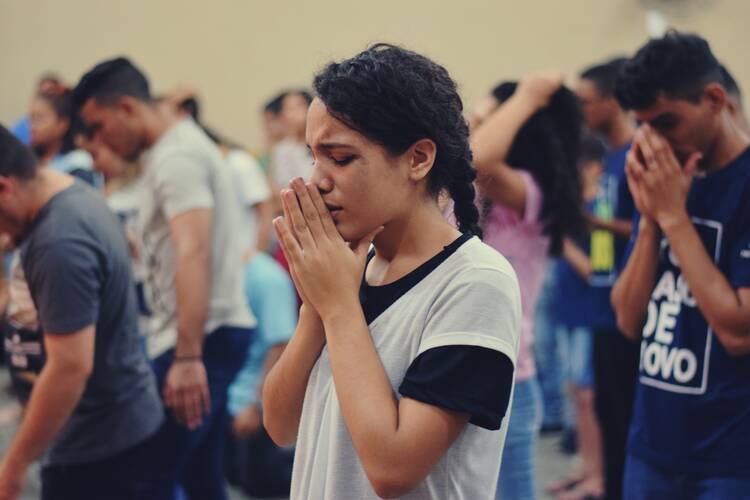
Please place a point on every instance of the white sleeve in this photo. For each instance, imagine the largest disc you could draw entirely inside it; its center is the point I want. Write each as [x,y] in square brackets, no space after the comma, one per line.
[481,308]
[250,178]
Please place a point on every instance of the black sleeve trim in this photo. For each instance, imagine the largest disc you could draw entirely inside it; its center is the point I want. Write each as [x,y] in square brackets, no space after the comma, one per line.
[462,378]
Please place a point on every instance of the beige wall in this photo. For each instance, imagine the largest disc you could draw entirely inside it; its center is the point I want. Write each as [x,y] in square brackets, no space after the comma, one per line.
[239,52]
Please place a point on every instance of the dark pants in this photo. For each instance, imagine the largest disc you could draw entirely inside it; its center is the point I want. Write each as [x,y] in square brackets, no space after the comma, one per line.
[615,374]
[194,459]
[258,466]
[127,476]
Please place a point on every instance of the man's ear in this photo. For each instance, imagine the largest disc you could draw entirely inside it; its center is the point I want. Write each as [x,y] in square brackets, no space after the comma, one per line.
[421,159]
[129,105]
[715,95]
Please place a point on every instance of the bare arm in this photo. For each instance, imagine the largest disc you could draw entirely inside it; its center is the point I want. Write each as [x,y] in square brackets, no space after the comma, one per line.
[285,385]
[577,259]
[727,310]
[191,236]
[264,212]
[621,228]
[492,141]
[57,391]
[186,387]
[632,291]
[398,441]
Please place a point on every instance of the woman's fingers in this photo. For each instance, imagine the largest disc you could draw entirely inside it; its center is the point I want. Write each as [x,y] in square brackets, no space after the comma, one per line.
[325,215]
[308,208]
[296,219]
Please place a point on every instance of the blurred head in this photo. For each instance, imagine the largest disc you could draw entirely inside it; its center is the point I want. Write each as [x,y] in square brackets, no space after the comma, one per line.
[104,159]
[675,85]
[294,112]
[548,147]
[49,82]
[590,162]
[51,116]
[734,99]
[386,132]
[112,98]
[273,125]
[18,167]
[596,91]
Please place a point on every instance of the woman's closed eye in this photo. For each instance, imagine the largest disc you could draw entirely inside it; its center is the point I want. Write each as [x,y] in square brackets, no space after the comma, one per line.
[341,161]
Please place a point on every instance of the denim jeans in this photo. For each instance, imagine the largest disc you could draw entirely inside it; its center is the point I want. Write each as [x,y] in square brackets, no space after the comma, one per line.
[547,356]
[644,481]
[195,459]
[517,472]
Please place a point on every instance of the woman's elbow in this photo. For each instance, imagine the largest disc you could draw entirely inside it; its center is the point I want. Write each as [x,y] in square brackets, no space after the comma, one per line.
[392,484]
[282,436]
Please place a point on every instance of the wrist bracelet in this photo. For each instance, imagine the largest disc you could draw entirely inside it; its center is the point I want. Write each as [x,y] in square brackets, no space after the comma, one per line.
[187,359]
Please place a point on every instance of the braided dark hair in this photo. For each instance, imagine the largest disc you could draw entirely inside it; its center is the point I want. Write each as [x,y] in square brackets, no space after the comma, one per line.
[396,97]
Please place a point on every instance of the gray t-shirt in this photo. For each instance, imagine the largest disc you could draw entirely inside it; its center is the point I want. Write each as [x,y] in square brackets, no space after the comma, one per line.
[184,170]
[471,299]
[77,264]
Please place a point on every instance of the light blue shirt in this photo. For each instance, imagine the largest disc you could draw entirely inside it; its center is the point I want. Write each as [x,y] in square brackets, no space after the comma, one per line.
[271,296]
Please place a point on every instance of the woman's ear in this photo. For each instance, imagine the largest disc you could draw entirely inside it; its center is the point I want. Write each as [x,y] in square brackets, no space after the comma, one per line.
[422,158]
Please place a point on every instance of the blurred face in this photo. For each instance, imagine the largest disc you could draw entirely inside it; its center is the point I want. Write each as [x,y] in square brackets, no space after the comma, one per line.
[597,110]
[294,113]
[46,127]
[361,183]
[688,127]
[116,126]
[105,160]
[12,208]
[273,127]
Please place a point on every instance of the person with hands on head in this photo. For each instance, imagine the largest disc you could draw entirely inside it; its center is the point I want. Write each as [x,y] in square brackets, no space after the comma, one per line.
[398,378]
[685,290]
[526,154]
[200,325]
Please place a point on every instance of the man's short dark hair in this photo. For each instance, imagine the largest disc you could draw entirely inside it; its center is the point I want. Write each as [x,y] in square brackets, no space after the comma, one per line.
[16,160]
[730,84]
[604,76]
[110,80]
[679,65]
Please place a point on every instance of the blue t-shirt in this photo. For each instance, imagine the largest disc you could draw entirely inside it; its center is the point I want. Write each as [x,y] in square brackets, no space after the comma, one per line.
[22,130]
[270,294]
[692,406]
[613,201]
[570,300]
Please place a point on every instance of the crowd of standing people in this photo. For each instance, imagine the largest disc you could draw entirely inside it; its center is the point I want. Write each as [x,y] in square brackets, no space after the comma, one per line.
[395,297]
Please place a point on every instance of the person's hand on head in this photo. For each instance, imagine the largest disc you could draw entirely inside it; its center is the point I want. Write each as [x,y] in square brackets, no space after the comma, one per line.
[541,86]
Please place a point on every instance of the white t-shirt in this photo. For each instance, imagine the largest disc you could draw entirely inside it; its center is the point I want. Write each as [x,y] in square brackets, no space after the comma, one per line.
[470,299]
[290,159]
[252,188]
[184,170]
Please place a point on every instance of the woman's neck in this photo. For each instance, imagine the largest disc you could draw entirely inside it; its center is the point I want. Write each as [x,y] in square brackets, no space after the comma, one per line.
[408,242]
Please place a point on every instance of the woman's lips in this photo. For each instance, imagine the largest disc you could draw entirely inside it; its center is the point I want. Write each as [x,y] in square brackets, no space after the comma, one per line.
[334,210]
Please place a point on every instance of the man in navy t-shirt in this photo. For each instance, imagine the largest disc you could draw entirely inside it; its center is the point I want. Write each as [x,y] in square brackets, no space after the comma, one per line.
[685,290]
[615,358]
